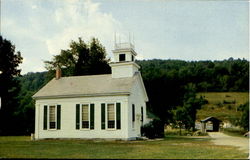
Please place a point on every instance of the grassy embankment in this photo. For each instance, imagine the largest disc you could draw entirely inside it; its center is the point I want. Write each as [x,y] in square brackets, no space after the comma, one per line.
[169,148]
[222,105]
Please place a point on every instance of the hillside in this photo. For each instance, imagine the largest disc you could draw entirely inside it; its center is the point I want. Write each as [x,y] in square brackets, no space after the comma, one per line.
[222,105]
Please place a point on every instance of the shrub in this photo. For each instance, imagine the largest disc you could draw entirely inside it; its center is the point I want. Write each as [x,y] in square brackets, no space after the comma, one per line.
[229,102]
[234,131]
[219,104]
[205,101]
[176,132]
[153,129]
[199,133]
[229,107]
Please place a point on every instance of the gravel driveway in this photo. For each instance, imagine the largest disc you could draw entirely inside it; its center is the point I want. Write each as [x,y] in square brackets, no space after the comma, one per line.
[223,139]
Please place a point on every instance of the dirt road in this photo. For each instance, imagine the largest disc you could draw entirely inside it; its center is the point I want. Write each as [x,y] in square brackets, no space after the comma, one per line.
[223,139]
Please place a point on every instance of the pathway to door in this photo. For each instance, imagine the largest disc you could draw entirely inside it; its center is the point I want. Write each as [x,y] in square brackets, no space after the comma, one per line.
[223,139]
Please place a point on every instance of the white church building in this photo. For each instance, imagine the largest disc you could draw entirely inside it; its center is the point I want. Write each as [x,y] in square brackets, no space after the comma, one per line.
[108,106]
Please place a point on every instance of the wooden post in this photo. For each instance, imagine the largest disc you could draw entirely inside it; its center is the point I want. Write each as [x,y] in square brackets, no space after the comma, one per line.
[203,127]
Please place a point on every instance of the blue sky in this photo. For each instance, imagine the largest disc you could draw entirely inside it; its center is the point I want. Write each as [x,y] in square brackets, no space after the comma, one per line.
[166,29]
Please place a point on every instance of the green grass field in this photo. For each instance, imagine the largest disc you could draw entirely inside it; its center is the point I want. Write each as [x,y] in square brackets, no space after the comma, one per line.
[238,132]
[222,105]
[169,148]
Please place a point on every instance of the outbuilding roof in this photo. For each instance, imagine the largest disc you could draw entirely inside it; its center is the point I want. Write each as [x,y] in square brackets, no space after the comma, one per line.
[93,85]
[213,119]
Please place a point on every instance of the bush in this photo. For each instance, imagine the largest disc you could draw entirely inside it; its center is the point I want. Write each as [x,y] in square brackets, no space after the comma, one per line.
[229,107]
[219,104]
[244,120]
[199,133]
[229,102]
[153,129]
[176,132]
[234,131]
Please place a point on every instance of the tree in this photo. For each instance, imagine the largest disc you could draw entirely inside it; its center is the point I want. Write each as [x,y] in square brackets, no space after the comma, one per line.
[244,120]
[81,59]
[30,83]
[185,115]
[9,87]
[181,117]
[191,104]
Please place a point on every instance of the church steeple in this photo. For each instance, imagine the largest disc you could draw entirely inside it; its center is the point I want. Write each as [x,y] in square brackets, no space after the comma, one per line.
[124,52]
[124,60]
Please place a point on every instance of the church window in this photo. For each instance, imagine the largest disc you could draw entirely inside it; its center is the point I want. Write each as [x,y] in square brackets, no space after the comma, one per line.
[122,57]
[111,116]
[133,112]
[133,116]
[113,113]
[142,114]
[85,116]
[52,117]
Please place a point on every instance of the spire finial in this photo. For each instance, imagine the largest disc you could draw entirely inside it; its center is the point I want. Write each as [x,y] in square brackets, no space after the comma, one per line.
[115,40]
[129,37]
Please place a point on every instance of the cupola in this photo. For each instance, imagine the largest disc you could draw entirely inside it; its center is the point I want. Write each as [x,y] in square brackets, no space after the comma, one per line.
[124,61]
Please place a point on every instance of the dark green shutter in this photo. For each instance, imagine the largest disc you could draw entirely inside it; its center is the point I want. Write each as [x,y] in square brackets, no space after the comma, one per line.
[118,115]
[77,116]
[133,112]
[45,112]
[142,114]
[103,115]
[92,116]
[58,126]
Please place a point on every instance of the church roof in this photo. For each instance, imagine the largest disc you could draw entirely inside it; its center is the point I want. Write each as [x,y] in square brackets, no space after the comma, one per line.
[93,85]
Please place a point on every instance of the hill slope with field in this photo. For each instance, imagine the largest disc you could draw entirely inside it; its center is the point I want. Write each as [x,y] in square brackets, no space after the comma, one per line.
[222,105]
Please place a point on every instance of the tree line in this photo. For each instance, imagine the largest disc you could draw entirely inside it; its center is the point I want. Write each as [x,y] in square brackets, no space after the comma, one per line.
[171,84]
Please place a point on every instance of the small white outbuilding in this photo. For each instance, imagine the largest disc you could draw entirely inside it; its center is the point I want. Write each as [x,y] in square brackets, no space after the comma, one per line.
[110,106]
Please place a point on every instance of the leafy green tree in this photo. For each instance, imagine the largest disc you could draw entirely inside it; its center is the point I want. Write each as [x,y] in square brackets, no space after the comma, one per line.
[81,59]
[244,120]
[30,83]
[191,104]
[9,87]
[181,117]
[185,115]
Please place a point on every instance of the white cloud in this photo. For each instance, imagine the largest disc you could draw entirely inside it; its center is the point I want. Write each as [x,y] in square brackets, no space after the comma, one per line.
[82,19]
[34,6]
[43,29]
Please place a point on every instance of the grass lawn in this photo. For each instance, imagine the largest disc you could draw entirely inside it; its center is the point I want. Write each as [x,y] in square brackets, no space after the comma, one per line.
[174,147]
[238,132]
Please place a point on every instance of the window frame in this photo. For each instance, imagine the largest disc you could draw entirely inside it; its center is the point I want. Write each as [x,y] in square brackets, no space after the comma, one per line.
[48,117]
[106,116]
[142,112]
[133,118]
[81,127]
